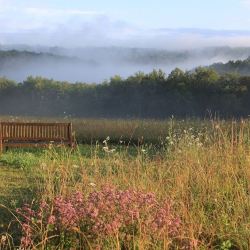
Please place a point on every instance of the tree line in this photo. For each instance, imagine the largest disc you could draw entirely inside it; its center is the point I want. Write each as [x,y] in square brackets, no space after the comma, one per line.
[154,95]
[241,67]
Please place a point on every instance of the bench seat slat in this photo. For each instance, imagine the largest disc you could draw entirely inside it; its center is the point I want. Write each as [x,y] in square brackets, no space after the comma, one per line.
[20,145]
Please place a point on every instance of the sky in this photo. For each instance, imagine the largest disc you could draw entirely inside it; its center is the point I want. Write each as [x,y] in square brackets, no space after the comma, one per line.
[133,23]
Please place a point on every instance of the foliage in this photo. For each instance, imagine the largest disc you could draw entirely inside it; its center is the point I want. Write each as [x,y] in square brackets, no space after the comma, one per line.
[152,95]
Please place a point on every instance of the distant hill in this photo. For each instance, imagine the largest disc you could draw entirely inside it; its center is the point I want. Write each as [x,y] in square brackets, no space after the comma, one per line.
[139,55]
[10,57]
[18,65]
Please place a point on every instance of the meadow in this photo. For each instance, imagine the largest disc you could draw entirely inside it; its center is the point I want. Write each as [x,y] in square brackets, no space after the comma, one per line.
[131,184]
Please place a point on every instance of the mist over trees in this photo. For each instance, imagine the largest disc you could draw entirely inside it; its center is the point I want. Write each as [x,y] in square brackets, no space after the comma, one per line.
[96,64]
[241,67]
[154,95]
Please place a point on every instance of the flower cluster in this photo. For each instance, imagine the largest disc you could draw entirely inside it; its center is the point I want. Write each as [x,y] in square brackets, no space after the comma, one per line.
[31,218]
[109,212]
[106,147]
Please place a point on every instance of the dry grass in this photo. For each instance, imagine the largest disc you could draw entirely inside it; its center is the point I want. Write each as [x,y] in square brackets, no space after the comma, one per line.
[131,131]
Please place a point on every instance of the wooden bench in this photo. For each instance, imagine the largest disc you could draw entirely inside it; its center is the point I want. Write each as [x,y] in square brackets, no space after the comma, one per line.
[22,134]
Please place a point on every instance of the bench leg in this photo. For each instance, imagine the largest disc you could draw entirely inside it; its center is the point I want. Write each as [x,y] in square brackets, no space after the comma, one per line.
[1,146]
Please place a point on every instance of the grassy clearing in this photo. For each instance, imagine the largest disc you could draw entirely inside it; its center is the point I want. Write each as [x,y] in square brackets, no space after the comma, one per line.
[12,183]
[204,170]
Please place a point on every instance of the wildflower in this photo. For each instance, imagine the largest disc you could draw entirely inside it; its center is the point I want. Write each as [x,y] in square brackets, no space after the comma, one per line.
[66,212]
[103,213]
[3,239]
[26,242]
[43,205]
[106,149]
[52,220]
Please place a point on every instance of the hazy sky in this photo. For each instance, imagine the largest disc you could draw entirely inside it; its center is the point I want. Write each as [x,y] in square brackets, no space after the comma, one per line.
[146,23]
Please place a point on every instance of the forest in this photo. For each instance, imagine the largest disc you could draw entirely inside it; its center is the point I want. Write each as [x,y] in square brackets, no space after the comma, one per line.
[197,93]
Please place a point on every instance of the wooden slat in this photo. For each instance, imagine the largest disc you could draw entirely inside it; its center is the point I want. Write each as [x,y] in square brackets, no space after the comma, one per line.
[20,131]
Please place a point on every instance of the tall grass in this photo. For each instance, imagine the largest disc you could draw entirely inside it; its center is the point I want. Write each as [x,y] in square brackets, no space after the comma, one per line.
[129,131]
[204,170]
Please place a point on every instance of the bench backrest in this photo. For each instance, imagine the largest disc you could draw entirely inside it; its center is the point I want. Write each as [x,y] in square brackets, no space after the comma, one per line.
[21,131]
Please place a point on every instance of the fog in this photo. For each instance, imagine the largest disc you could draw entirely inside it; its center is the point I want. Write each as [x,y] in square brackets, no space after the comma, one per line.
[97,64]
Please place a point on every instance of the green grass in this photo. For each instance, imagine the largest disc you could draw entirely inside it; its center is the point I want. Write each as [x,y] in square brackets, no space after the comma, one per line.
[12,183]
[16,188]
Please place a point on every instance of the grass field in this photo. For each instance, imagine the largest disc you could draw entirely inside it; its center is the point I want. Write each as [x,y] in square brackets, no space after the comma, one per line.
[129,131]
[185,185]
